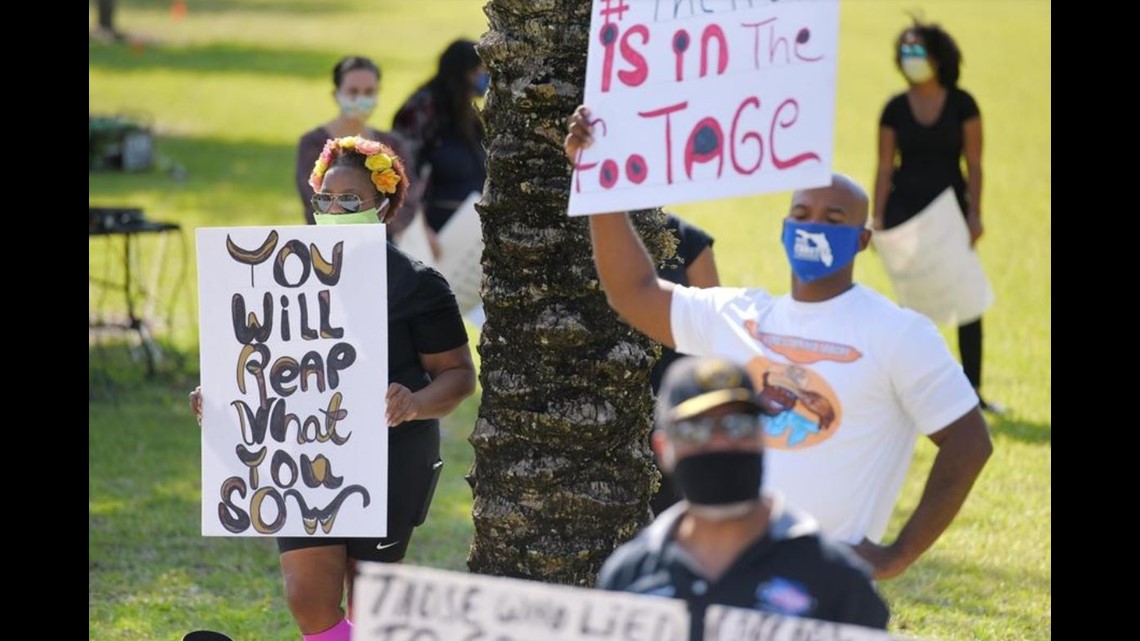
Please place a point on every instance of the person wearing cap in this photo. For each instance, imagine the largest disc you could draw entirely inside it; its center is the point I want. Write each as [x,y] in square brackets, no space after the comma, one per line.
[848,378]
[728,542]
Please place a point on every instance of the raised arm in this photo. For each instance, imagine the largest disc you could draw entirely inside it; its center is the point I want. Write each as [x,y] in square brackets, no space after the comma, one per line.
[625,268]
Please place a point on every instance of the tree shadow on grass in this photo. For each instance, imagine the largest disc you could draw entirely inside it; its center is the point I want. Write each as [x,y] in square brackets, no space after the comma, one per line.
[227,183]
[246,6]
[1008,426]
[118,372]
[212,166]
[212,58]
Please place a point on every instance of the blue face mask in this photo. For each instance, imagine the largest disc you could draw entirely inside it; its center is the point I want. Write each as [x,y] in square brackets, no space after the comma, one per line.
[482,81]
[816,250]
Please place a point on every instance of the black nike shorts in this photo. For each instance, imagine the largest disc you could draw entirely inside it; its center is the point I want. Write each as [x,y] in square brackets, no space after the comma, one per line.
[413,469]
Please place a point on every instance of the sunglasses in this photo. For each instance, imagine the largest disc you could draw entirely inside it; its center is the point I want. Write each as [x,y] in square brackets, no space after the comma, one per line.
[698,431]
[350,203]
[912,51]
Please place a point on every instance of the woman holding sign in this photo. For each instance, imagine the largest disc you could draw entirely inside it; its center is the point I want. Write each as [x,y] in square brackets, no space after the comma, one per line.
[929,129]
[360,181]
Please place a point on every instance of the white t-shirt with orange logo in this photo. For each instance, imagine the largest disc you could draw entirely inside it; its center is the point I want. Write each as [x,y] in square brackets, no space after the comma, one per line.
[852,381]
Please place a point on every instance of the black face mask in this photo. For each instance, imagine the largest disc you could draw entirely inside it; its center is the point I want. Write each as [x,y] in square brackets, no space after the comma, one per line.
[719,478]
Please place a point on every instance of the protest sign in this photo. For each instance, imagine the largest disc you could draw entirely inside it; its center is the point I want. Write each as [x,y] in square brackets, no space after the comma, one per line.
[702,100]
[294,364]
[407,603]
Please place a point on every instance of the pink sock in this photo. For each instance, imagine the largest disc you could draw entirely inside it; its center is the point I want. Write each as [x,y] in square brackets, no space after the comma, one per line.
[339,632]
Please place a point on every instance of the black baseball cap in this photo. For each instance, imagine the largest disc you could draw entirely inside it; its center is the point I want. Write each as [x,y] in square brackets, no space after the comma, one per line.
[694,385]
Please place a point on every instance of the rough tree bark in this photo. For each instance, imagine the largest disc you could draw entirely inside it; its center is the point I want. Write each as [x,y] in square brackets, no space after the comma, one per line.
[562,469]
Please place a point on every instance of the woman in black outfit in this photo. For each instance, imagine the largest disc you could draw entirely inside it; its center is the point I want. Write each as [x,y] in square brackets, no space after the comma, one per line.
[444,134]
[929,129]
[430,372]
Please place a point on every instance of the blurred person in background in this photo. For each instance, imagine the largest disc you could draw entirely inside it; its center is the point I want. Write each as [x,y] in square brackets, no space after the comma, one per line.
[444,134]
[356,90]
[925,134]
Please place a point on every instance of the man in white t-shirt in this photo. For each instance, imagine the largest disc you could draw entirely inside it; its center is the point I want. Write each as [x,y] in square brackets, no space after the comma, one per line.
[848,378]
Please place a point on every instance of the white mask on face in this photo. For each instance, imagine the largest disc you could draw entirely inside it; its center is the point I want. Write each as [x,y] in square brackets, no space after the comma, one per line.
[360,107]
[917,70]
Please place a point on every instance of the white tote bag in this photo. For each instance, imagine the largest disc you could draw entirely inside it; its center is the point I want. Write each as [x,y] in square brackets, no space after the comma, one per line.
[932,267]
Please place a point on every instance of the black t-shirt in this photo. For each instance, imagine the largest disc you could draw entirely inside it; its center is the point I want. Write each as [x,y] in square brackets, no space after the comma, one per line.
[693,241]
[458,168]
[458,165]
[929,156]
[791,571]
[423,318]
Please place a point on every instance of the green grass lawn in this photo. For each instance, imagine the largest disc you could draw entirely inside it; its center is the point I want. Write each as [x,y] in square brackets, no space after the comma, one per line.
[232,86]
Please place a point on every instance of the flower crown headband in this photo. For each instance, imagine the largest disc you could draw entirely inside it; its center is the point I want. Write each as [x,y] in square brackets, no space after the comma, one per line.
[384,177]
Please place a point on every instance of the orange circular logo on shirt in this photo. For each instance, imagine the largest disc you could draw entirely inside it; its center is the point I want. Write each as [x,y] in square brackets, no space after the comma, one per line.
[801,408]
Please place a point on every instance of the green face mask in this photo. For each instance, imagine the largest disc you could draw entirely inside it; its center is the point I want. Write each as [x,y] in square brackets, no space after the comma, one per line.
[366,217]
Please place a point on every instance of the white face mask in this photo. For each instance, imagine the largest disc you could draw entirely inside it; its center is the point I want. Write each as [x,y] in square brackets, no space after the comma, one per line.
[360,107]
[917,70]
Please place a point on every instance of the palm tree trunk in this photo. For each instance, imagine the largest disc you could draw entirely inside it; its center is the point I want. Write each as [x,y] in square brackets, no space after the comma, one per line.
[562,470]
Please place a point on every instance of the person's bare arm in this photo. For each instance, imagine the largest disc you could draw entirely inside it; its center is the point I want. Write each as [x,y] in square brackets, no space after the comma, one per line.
[452,380]
[886,167]
[628,278]
[702,271]
[972,149]
[964,446]
[625,268]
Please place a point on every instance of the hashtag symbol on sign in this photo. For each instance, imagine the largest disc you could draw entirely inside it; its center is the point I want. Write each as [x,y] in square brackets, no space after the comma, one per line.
[608,9]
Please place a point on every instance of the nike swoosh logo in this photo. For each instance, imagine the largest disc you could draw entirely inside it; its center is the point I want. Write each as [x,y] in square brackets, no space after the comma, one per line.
[382,546]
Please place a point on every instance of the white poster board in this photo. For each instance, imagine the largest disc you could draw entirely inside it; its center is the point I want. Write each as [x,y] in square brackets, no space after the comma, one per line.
[461,254]
[414,241]
[932,267]
[704,99]
[293,328]
[461,251]
[723,623]
[406,603]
